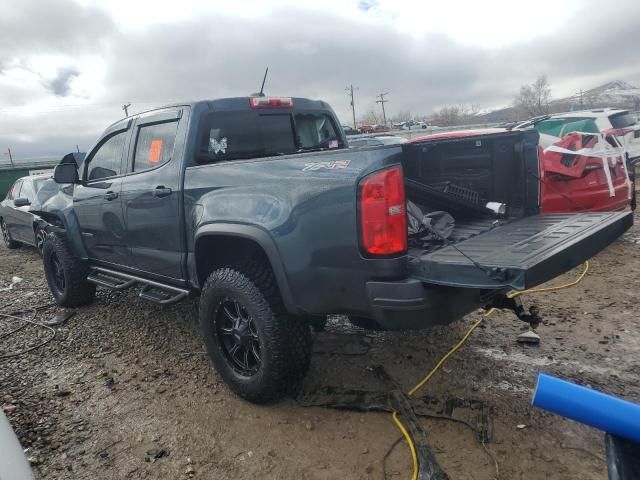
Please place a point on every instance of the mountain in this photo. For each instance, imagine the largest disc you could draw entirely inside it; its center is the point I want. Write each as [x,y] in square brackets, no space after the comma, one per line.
[618,94]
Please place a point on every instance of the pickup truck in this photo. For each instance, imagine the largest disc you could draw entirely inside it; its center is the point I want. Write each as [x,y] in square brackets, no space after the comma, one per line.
[258,206]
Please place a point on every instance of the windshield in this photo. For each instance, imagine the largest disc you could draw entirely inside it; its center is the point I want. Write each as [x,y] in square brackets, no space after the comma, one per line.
[249,134]
[45,189]
[559,127]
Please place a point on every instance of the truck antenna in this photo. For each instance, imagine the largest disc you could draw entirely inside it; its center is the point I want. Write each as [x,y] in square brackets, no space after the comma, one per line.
[261,94]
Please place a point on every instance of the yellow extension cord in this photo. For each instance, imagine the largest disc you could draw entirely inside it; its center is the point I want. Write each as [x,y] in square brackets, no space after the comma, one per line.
[456,347]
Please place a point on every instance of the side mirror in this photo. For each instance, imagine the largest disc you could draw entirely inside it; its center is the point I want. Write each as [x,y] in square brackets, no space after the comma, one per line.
[66,173]
[21,202]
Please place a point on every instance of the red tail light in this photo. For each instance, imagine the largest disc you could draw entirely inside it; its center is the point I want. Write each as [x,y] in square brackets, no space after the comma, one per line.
[383,216]
[271,102]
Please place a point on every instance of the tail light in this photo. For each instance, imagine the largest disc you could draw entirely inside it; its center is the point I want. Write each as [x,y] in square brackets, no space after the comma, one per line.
[383,216]
[271,102]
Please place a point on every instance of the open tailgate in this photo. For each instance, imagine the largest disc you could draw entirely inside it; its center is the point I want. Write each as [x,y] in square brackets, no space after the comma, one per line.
[523,253]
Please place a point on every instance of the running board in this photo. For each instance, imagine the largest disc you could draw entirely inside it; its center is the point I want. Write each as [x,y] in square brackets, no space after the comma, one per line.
[154,291]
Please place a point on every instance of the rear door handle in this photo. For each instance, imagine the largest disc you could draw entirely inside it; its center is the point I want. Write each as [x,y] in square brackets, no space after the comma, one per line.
[110,195]
[161,191]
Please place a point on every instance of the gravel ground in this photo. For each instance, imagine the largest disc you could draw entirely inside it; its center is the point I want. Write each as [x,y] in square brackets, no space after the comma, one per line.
[125,381]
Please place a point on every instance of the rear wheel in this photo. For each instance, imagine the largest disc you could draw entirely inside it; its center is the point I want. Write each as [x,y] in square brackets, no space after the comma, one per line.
[6,236]
[259,351]
[66,274]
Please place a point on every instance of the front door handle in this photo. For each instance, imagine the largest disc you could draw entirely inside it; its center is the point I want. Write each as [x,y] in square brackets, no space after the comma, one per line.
[161,191]
[110,195]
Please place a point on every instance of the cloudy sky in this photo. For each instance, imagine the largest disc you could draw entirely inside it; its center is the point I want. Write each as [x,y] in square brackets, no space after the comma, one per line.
[66,67]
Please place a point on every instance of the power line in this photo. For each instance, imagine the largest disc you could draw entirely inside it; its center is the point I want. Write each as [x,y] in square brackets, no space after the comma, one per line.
[382,101]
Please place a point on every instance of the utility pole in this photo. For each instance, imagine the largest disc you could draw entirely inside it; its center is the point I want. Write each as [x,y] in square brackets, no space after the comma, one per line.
[8,152]
[382,101]
[353,105]
[77,148]
[125,107]
[581,98]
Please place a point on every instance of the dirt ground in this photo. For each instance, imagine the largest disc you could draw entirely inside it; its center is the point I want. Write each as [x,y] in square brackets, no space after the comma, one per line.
[125,381]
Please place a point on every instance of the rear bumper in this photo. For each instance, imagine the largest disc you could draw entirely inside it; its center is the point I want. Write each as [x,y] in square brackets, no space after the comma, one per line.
[410,305]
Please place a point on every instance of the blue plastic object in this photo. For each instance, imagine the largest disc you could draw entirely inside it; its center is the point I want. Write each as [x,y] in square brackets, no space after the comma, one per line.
[584,405]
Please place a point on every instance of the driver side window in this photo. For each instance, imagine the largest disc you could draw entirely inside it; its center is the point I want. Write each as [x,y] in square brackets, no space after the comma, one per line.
[107,160]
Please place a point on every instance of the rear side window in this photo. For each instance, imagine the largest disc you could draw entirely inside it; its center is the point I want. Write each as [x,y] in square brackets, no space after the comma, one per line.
[622,120]
[154,145]
[107,160]
[315,131]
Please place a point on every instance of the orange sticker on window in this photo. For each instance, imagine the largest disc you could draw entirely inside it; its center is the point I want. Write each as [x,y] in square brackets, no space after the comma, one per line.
[155,151]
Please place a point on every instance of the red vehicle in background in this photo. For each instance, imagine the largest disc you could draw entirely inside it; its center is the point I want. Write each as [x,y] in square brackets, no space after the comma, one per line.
[374,129]
[586,160]
[583,167]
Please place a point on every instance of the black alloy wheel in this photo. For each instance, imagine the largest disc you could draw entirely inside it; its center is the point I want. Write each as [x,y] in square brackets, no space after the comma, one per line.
[238,336]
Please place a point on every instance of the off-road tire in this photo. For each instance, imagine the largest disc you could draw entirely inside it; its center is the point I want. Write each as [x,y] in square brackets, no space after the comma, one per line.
[9,242]
[285,342]
[75,290]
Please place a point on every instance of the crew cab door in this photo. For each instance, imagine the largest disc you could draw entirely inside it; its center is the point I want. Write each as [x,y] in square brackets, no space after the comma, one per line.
[523,253]
[97,201]
[151,193]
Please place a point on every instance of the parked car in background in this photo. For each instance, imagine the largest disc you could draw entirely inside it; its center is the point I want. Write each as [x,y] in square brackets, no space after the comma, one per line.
[20,226]
[350,130]
[569,182]
[376,140]
[598,176]
[620,123]
[374,128]
[415,125]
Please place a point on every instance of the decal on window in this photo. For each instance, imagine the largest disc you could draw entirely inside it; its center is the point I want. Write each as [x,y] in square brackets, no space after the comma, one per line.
[216,146]
[155,151]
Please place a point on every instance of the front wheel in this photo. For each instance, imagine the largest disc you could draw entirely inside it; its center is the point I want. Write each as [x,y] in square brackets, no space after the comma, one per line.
[66,274]
[6,236]
[258,350]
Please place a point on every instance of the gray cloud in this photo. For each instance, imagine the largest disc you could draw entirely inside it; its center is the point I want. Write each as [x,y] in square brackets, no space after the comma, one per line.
[316,54]
[32,27]
[60,84]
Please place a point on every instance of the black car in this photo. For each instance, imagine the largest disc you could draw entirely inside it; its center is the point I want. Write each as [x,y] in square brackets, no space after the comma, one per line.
[19,225]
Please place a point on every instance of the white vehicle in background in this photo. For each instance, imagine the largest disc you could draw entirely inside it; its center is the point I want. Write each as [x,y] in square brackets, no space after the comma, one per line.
[415,125]
[620,123]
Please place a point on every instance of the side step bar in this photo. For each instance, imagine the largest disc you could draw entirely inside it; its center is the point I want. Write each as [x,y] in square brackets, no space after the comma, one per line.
[154,291]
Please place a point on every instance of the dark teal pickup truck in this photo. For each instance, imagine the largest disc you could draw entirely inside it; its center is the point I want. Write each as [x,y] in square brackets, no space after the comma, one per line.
[259,206]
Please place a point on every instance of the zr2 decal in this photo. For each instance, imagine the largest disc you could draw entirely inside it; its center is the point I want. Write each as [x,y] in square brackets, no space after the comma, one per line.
[335,165]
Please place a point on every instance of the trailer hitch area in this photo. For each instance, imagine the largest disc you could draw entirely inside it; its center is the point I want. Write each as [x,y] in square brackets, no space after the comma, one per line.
[503,302]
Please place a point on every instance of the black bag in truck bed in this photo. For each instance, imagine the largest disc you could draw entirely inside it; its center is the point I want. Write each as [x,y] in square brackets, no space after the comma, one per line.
[521,254]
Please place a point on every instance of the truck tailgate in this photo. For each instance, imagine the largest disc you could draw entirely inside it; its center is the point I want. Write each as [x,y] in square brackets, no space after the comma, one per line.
[523,253]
